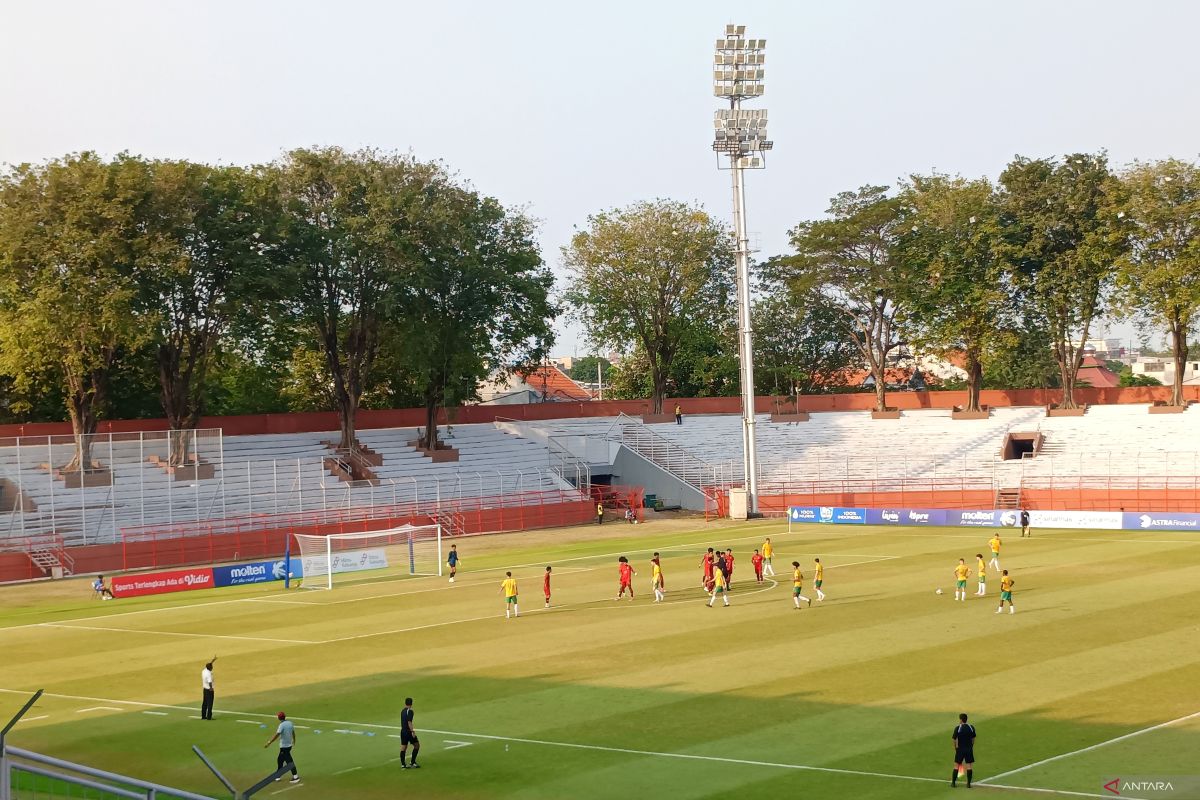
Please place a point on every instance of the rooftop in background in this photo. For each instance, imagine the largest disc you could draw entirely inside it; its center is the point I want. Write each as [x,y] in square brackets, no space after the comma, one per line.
[545,384]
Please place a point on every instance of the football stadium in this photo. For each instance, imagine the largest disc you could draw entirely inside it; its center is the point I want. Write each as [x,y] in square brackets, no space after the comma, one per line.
[296,497]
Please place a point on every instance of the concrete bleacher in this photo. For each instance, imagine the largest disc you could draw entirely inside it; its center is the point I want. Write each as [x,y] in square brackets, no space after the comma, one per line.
[274,473]
[268,473]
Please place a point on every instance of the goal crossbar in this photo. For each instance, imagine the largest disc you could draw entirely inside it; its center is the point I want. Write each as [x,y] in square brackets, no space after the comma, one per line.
[412,549]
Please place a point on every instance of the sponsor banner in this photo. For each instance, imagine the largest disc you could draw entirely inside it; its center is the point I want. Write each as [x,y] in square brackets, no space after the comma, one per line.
[906,516]
[256,572]
[803,513]
[1100,520]
[1161,521]
[180,580]
[348,561]
[834,515]
[980,518]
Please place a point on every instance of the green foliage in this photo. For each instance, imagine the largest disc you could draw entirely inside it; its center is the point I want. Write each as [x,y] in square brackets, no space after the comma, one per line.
[1129,379]
[1158,274]
[799,345]
[956,289]
[1026,363]
[584,369]
[650,278]
[1062,243]
[70,246]
[850,259]
[208,269]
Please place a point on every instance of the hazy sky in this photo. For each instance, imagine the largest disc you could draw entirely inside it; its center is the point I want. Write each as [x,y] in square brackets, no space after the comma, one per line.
[568,108]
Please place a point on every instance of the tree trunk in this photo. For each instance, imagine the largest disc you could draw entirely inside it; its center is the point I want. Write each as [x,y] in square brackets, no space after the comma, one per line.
[880,391]
[1179,351]
[974,380]
[660,390]
[81,406]
[347,408]
[429,439]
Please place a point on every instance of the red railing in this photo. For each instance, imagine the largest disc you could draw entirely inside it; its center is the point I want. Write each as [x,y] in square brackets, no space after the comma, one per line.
[255,536]
[1075,492]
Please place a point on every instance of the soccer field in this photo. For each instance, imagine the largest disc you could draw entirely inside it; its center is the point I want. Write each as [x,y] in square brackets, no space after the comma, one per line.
[1093,678]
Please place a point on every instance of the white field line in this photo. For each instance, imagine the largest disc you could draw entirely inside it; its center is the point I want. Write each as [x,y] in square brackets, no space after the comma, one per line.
[516,739]
[594,605]
[98,708]
[246,721]
[285,789]
[347,769]
[1064,792]
[130,613]
[33,719]
[1061,756]
[174,633]
[163,714]
[570,745]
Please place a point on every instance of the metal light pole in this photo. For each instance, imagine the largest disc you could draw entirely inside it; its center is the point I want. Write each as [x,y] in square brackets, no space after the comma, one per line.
[742,136]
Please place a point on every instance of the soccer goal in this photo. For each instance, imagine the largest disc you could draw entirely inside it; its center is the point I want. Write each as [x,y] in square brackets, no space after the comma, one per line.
[408,549]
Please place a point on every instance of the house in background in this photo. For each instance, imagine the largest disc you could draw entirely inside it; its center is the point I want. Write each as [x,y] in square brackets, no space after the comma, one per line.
[1096,374]
[544,384]
[1164,370]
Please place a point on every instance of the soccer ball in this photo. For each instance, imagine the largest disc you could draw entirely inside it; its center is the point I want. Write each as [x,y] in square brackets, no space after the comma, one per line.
[937,591]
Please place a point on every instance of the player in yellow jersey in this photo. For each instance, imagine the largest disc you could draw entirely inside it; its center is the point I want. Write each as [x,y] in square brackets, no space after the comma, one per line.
[982,567]
[1006,584]
[819,578]
[798,585]
[719,588]
[768,550]
[656,579]
[994,545]
[508,588]
[961,573]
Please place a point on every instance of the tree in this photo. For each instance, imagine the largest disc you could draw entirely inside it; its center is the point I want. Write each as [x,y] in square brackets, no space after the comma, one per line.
[476,302]
[349,242]
[1158,274]
[583,369]
[799,345]
[209,264]
[850,260]
[1025,362]
[1062,249]
[956,288]
[646,275]
[70,243]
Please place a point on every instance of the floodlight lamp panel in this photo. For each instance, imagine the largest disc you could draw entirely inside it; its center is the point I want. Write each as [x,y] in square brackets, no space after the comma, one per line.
[730,29]
[741,30]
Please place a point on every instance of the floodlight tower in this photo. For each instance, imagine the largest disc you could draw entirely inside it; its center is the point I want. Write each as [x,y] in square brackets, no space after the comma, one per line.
[741,135]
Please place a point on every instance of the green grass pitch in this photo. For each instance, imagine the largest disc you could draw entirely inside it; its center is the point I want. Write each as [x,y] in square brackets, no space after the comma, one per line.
[854,697]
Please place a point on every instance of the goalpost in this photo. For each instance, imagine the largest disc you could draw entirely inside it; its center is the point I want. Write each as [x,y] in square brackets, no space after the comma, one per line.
[408,549]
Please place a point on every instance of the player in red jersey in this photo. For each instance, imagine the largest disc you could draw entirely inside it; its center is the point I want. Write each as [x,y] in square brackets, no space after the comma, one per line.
[756,561]
[546,586]
[707,563]
[728,569]
[627,573]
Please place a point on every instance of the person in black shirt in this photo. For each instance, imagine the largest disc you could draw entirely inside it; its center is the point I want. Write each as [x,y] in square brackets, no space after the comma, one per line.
[964,750]
[1024,522]
[408,735]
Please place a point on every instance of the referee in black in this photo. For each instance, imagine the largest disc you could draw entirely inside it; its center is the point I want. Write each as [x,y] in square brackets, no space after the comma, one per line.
[408,735]
[964,750]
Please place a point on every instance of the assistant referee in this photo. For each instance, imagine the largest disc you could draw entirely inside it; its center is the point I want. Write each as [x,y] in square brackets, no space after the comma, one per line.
[964,750]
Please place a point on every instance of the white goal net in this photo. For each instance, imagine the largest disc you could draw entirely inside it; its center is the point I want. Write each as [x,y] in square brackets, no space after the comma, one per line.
[406,550]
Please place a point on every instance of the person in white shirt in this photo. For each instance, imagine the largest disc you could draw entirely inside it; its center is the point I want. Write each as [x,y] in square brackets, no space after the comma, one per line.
[206,684]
